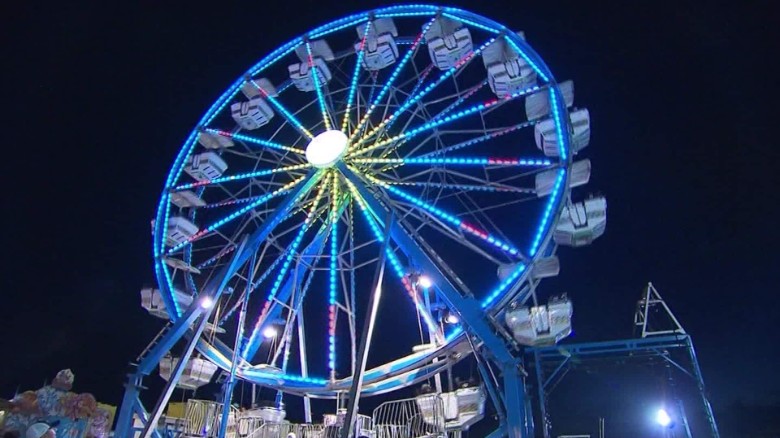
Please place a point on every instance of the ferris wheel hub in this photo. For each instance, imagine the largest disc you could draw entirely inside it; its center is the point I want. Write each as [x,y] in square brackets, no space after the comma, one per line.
[327,149]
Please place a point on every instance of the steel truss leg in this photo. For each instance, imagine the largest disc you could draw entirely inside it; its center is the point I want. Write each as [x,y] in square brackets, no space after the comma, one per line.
[514,399]
[541,394]
[365,339]
[702,391]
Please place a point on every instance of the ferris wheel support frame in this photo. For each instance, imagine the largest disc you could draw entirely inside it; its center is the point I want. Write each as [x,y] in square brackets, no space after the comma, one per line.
[131,404]
[471,313]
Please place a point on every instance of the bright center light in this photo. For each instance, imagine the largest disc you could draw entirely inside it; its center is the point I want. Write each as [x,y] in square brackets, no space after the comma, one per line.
[425,282]
[326,149]
[451,318]
[269,333]
[206,302]
[663,418]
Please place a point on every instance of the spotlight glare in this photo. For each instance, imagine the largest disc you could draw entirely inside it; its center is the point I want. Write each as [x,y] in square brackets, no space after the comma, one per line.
[425,282]
[269,333]
[206,302]
[452,318]
[663,418]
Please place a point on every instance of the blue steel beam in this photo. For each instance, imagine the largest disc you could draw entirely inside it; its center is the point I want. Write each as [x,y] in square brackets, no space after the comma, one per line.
[611,347]
[284,292]
[470,311]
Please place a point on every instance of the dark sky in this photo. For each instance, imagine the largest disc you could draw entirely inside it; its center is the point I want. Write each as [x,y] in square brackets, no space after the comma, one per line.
[98,99]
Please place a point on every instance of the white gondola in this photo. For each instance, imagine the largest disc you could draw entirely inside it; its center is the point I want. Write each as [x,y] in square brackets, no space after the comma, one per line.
[541,325]
[214,141]
[152,301]
[205,166]
[457,410]
[179,230]
[380,48]
[507,72]
[448,41]
[545,267]
[582,223]
[268,414]
[186,199]
[547,136]
[537,105]
[471,407]
[258,87]
[181,265]
[197,372]
[580,175]
[252,114]
[300,73]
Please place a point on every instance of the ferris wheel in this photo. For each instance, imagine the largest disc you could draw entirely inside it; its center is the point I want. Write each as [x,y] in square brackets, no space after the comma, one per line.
[426,139]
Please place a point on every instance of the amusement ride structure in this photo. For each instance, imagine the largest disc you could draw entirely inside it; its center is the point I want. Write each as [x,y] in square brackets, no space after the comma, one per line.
[408,168]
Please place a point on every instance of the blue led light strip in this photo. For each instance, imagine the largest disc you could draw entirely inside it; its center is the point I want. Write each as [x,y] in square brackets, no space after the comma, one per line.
[279,107]
[252,288]
[223,252]
[503,286]
[445,120]
[479,139]
[314,70]
[248,139]
[414,99]
[391,80]
[355,75]
[292,250]
[459,161]
[527,59]
[449,218]
[281,190]
[548,212]
[462,187]
[241,176]
[393,259]
[333,280]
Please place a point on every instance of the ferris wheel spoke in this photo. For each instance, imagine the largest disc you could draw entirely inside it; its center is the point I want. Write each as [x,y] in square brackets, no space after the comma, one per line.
[288,257]
[353,86]
[452,219]
[254,140]
[241,176]
[445,229]
[318,88]
[461,98]
[475,109]
[459,161]
[333,275]
[373,103]
[461,187]
[283,111]
[464,61]
[278,192]
[395,263]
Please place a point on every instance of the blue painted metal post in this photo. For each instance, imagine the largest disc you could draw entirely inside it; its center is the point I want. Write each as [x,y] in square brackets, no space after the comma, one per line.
[230,382]
[213,290]
[471,312]
[702,390]
[514,395]
[541,395]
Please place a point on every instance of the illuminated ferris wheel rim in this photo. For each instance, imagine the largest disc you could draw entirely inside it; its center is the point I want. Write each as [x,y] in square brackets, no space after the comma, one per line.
[412,367]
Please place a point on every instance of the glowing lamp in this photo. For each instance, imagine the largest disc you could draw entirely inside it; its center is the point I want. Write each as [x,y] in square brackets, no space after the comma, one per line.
[451,318]
[662,418]
[425,282]
[326,149]
[206,302]
[269,333]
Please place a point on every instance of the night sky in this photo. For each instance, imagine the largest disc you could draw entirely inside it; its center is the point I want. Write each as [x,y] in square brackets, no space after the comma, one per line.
[98,100]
